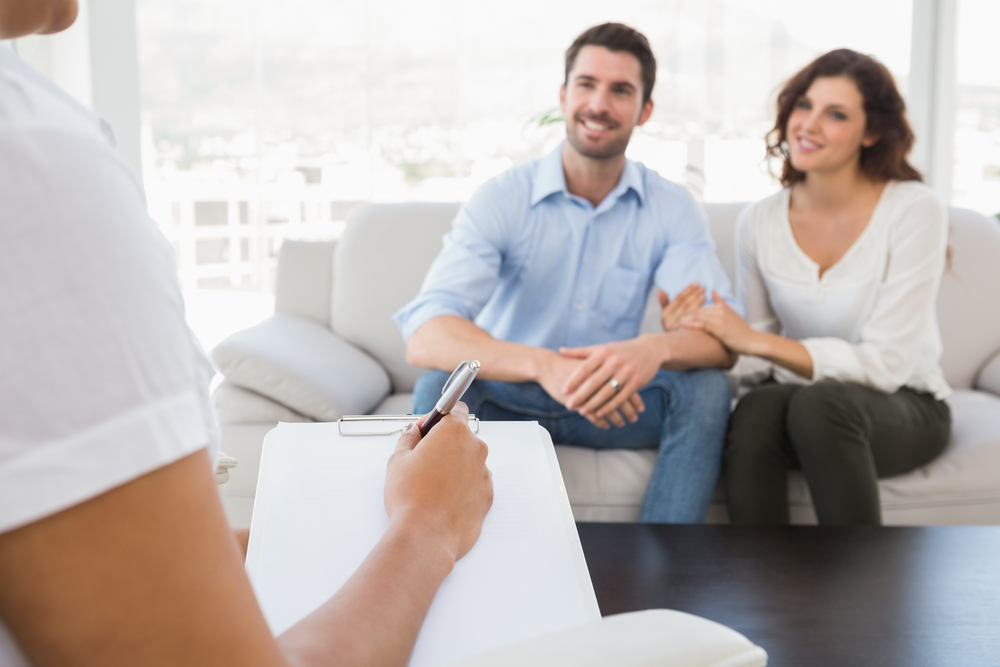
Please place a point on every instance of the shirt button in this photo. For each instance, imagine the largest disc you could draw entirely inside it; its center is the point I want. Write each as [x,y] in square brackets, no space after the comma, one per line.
[579,306]
[584,260]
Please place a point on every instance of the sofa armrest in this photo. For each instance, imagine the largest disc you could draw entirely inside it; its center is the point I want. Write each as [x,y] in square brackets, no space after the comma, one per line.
[304,366]
[989,377]
[236,405]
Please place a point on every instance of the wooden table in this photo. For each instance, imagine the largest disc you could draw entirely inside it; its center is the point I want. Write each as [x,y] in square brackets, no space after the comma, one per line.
[815,596]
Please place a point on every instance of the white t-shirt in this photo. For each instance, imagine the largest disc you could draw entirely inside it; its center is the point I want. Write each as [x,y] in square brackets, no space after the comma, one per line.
[101,380]
[871,318]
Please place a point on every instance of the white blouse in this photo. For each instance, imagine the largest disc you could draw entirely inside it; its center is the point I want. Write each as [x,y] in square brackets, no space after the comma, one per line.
[871,317]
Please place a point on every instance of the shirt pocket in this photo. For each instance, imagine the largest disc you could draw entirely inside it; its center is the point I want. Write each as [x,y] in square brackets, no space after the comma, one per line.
[622,294]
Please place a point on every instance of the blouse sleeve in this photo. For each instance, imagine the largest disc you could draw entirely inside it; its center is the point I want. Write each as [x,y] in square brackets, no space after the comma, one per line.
[891,341]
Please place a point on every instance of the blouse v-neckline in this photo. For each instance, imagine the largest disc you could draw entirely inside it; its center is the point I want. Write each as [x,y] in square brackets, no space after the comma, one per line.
[813,264]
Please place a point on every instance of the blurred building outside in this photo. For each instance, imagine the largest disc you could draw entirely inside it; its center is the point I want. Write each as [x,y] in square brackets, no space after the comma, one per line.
[270,119]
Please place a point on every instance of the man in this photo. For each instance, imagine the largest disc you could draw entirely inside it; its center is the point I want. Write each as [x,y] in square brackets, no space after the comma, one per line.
[114,548]
[544,279]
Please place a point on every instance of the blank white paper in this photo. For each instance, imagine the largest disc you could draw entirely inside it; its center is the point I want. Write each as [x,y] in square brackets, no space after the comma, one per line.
[319,511]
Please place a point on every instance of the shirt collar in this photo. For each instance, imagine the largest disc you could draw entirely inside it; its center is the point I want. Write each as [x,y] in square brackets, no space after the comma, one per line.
[550,179]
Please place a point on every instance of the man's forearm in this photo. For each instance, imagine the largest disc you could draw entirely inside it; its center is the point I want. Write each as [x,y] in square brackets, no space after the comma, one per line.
[444,342]
[686,350]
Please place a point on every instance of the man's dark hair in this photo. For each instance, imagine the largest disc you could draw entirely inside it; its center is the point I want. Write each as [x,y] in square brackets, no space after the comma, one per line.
[618,37]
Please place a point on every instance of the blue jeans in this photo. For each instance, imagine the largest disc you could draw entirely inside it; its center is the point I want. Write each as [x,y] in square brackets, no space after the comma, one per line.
[686,415]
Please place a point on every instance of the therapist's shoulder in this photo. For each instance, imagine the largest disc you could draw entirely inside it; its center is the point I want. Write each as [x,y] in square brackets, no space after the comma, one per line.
[38,110]
[58,158]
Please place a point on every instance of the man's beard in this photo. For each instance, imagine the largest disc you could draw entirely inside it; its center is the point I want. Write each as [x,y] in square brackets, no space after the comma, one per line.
[610,150]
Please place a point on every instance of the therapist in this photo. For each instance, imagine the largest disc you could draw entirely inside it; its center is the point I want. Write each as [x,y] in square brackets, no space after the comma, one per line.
[114,549]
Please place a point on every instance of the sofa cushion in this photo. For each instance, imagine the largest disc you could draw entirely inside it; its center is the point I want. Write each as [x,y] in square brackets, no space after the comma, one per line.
[969,469]
[608,485]
[605,484]
[989,377]
[304,366]
[236,405]
[395,404]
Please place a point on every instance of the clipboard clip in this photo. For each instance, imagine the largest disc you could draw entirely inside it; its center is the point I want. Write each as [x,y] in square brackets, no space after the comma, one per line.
[358,425]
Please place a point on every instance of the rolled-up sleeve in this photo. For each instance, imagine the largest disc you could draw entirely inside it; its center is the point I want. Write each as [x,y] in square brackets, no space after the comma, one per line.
[466,272]
[690,257]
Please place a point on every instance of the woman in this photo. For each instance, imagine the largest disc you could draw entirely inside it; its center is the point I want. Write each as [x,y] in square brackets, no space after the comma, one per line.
[114,549]
[839,273]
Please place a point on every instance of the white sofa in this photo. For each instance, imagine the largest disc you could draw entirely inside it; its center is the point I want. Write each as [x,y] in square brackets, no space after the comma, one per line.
[331,349]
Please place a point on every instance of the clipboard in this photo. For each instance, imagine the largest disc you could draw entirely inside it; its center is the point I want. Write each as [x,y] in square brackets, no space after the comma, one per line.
[319,510]
[361,425]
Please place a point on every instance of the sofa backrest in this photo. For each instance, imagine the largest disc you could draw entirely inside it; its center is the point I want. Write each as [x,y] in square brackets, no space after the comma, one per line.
[386,249]
[378,267]
[968,304]
[305,274]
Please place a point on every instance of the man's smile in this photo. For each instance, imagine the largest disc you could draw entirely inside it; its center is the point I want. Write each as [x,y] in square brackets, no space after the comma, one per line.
[596,124]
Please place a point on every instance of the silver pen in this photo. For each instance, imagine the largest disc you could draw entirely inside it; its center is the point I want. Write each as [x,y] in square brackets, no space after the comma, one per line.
[452,391]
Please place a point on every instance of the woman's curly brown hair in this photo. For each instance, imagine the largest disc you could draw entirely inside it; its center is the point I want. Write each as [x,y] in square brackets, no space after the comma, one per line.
[884,108]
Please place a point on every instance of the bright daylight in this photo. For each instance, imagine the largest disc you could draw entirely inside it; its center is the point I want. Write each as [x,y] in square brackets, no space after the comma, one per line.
[444,333]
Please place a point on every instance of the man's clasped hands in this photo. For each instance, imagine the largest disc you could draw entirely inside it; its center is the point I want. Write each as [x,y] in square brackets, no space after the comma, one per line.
[602,382]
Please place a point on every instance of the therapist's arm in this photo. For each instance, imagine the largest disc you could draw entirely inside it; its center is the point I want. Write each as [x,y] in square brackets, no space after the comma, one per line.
[149,574]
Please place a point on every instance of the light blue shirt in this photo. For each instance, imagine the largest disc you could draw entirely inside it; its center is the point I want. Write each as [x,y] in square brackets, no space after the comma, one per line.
[531,263]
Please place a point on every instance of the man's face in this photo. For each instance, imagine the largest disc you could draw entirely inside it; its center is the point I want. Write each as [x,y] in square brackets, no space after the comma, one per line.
[602,102]
[25,17]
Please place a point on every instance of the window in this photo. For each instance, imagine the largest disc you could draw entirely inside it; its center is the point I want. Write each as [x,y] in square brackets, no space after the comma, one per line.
[976,176]
[275,118]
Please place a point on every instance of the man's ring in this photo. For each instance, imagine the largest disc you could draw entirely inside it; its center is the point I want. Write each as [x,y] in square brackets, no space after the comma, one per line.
[615,384]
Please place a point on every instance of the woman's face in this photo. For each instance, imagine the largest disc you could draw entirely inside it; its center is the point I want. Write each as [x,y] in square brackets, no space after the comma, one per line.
[826,129]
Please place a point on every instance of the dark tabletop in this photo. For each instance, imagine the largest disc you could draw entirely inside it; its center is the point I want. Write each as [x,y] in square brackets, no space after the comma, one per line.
[815,596]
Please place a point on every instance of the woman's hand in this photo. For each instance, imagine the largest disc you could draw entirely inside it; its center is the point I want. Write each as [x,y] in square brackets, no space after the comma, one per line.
[440,482]
[688,301]
[723,323]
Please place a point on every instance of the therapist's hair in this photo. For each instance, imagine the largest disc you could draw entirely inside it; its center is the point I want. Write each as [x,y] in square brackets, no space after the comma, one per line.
[617,37]
[885,114]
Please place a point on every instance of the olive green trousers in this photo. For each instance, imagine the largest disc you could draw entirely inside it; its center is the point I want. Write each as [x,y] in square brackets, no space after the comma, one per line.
[843,436]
